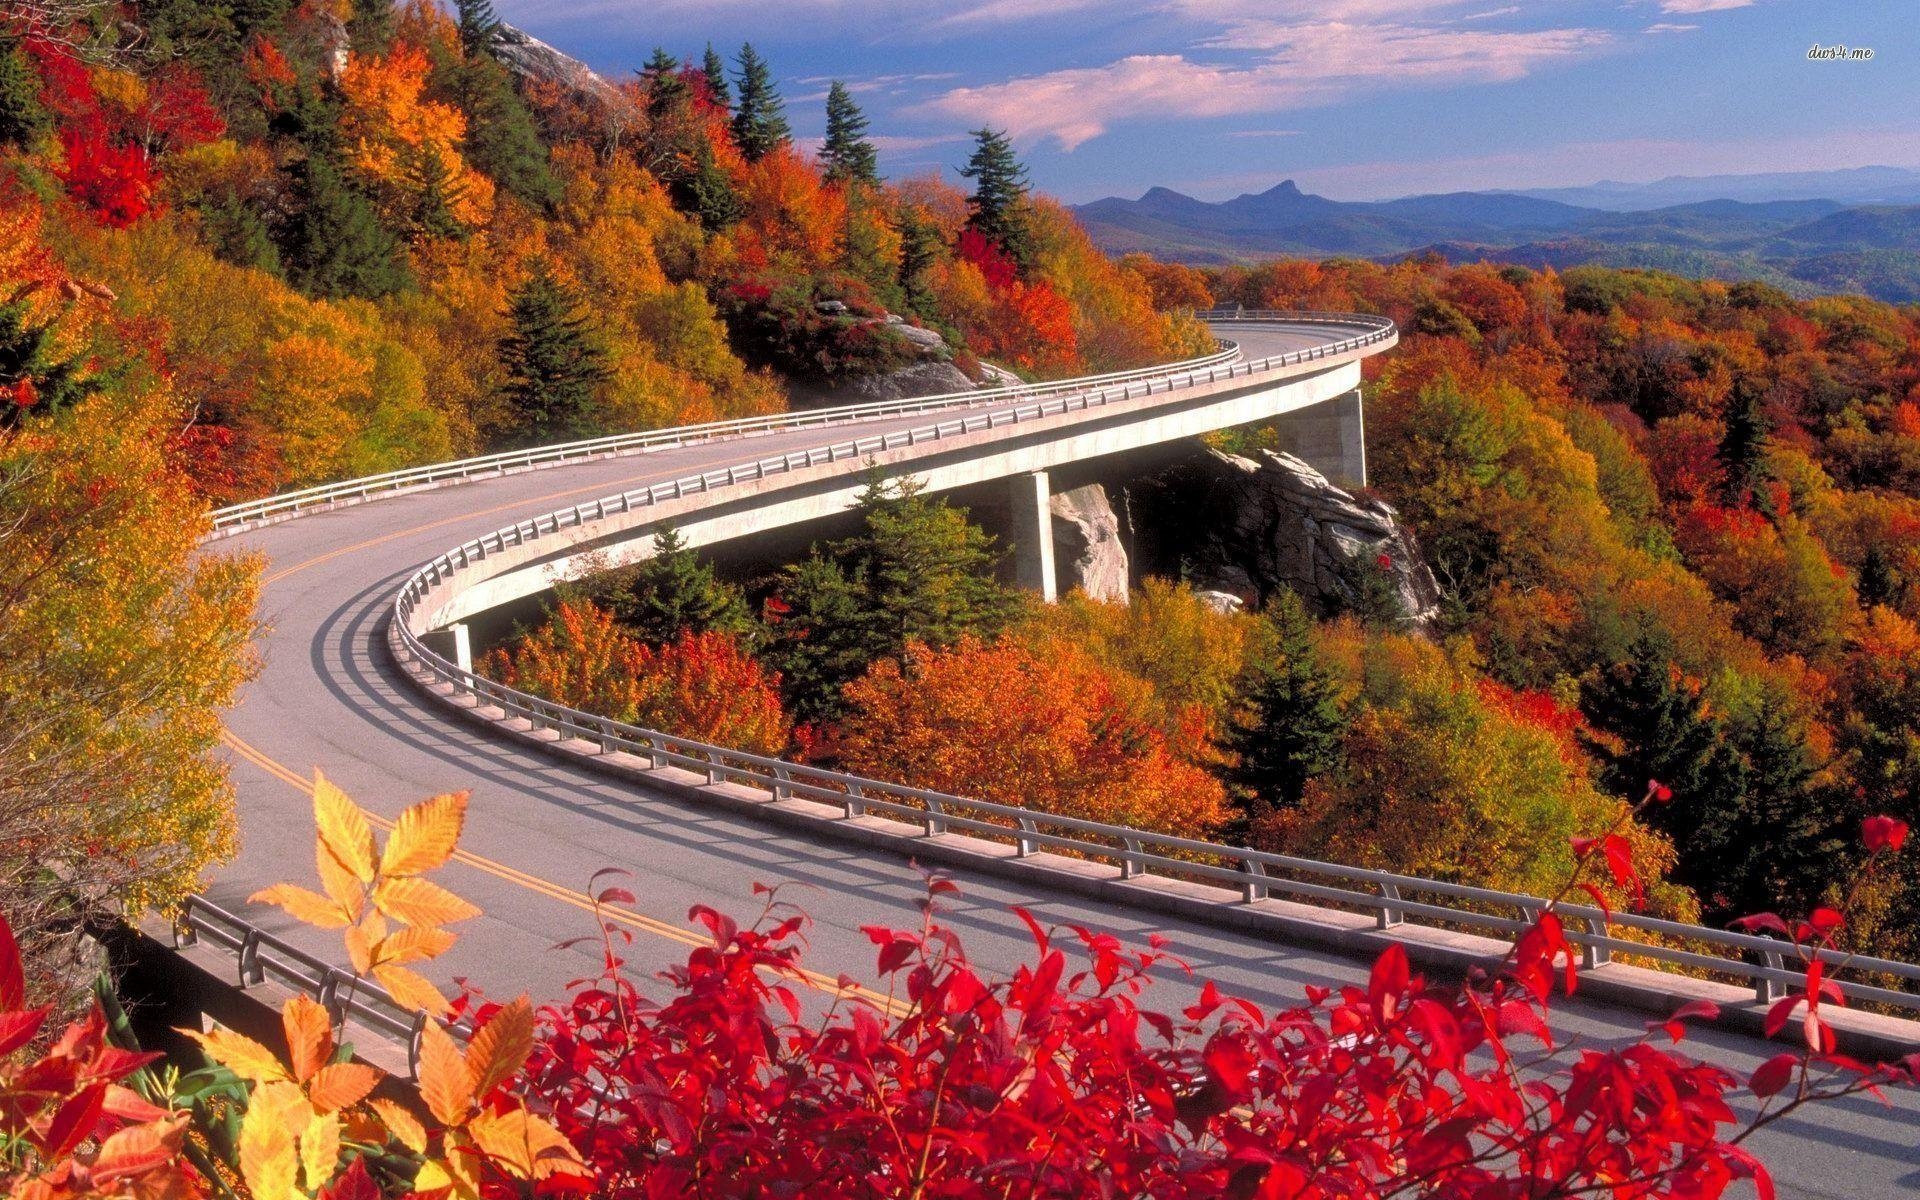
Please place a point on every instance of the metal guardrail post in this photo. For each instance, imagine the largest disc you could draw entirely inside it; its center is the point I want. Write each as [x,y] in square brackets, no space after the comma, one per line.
[1766,989]
[935,821]
[1025,845]
[1255,887]
[1390,913]
[853,806]
[251,972]
[1593,954]
[1130,865]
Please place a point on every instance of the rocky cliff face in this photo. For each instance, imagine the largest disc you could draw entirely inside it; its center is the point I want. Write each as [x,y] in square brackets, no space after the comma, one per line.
[1250,526]
[1088,549]
[532,60]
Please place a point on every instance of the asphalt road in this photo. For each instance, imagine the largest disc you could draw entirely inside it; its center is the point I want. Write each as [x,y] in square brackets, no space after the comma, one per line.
[537,830]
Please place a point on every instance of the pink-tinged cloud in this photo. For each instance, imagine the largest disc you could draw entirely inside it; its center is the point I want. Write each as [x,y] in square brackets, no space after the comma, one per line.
[1303,65]
[1688,7]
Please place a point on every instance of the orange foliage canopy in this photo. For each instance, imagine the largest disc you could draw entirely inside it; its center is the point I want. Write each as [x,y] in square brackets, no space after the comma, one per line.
[1044,727]
[705,686]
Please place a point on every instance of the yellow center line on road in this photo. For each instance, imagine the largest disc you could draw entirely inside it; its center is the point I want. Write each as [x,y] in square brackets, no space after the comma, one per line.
[687,937]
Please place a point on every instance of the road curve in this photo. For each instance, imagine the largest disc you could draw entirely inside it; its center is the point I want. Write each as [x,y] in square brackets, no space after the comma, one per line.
[328,697]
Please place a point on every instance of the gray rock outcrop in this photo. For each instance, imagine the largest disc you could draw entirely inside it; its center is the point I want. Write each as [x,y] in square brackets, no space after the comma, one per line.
[1251,526]
[1088,552]
[530,59]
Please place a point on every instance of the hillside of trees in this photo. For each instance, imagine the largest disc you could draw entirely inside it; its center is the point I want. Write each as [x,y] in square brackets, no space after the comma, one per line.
[352,239]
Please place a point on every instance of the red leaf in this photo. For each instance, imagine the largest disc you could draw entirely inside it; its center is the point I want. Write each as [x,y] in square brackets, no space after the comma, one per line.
[1771,1076]
[18,1028]
[75,1122]
[13,980]
[1883,833]
[354,1183]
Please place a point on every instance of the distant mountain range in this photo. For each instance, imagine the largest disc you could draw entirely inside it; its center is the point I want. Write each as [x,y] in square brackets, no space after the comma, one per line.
[1862,237]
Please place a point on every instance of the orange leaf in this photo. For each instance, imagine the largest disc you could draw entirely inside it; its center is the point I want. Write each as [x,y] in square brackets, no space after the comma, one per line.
[341,1085]
[411,990]
[137,1150]
[500,1047]
[306,907]
[414,945]
[525,1146]
[425,835]
[343,828]
[402,1125]
[421,902]
[309,1036]
[347,890]
[268,1161]
[445,1082]
[242,1055]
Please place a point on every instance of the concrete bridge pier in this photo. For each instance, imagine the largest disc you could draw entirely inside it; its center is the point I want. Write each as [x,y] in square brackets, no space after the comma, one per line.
[1331,436]
[1033,533]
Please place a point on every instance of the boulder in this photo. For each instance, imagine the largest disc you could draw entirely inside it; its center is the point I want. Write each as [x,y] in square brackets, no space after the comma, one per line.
[1088,551]
[1249,526]
[927,378]
[529,59]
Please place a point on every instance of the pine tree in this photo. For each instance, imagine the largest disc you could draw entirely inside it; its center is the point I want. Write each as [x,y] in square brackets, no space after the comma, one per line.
[335,245]
[1743,447]
[1878,582]
[674,592]
[847,155]
[38,377]
[759,124]
[917,572]
[997,210]
[502,140]
[667,93]
[554,360]
[437,194]
[23,120]
[1660,725]
[1291,723]
[715,69]
[920,249]
[478,24]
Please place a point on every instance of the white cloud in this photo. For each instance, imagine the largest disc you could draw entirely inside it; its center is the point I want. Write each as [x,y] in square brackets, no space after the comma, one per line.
[1265,133]
[1666,27]
[1687,7]
[1302,65]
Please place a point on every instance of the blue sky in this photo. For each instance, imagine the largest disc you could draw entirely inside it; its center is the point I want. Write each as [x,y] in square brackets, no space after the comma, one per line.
[1355,99]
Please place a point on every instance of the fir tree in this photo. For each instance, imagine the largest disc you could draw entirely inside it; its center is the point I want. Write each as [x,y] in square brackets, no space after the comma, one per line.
[759,123]
[715,70]
[997,210]
[920,249]
[37,377]
[478,24]
[917,572]
[667,93]
[1743,447]
[1291,724]
[1878,583]
[672,593]
[847,155]
[502,140]
[706,191]
[23,120]
[554,360]
[1659,722]
[433,215]
[335,245]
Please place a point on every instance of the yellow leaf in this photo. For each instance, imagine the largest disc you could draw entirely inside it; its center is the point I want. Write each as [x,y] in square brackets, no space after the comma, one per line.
[309,1036]
[425,835]
[414,945]
[240,1054]
[306,907]
[320,1149]
[268,1161]
[340,883]
[343,828]
[341,1085]
[500,1047]
[359,949]
[402,1125]
[411,990]
[515,1142]
[421,902]
[445,1083]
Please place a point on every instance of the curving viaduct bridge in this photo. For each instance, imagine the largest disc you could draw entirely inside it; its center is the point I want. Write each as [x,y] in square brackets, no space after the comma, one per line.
[363,679]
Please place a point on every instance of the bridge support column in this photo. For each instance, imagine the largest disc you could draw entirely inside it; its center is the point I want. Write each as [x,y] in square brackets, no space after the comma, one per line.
[454,642]
[1330,437]
[1033,534]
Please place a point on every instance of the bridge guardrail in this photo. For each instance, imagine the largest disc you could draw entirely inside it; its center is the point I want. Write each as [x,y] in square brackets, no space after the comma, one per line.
[238,517]
[1392,899]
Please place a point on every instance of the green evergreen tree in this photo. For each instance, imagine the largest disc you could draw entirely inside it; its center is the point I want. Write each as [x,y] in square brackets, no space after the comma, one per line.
[759,120]
[478,24]
[1663,729]
[36,378]
[1291,724]
[997,210]
[236,234]
[917,571]
[706,191]
[672,593]
[712,66]
[847,155]
[335,245]
[23,120]
[920,249]
[1878,583]
[438,192]
[503,143]
[1743,447]
[554,360]
[667,93]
